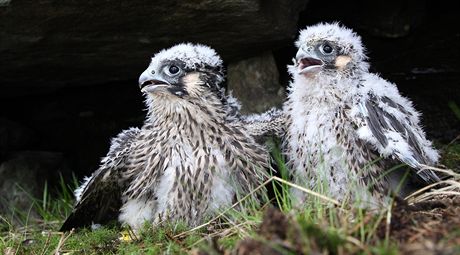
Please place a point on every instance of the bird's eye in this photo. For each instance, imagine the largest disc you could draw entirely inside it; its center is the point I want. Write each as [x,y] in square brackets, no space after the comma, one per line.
[326,49]
[172,70]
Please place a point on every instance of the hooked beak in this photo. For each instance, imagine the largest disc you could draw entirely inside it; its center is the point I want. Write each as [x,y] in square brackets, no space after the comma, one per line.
[149,82]
[307,62]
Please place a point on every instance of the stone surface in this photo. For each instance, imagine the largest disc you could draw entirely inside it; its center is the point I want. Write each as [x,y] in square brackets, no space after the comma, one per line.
[62,42]
[14,136]
[255,82]
[389,19]
[23,177]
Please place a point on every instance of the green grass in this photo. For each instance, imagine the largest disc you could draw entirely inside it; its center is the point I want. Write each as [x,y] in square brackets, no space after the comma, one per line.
[319,226]
[451,156]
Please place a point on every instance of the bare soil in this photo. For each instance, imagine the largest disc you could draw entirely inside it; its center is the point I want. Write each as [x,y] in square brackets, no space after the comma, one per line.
[431,227]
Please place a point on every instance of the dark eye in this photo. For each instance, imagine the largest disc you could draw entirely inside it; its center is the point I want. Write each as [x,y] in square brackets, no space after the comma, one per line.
[173,69]
[327,49]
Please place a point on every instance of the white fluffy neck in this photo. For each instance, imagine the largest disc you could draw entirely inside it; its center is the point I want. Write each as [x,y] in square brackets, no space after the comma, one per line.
[320,87]
[167,108]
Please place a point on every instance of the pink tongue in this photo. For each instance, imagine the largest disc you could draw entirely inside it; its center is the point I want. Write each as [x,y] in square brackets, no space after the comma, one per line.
[306,62]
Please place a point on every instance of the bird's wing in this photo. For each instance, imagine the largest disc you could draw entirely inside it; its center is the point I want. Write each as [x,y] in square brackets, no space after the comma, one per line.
[99,198]
[269,123]
[389,122]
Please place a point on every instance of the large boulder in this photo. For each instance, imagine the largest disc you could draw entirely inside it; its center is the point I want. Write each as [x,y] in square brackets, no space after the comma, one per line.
[255,82]
[14,136]
[57,43]
[22,182]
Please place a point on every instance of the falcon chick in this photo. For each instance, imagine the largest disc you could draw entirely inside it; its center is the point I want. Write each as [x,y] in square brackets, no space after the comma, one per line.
[191,157]
[345,126]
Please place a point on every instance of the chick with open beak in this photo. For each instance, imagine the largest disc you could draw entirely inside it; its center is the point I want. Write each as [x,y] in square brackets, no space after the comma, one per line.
[346,127]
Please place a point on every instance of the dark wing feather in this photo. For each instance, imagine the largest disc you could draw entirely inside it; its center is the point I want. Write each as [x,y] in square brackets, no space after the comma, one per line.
[100,199]
[99,203]
[396,131]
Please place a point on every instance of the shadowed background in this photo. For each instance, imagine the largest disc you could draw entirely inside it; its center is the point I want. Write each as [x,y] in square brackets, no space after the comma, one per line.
[69,69]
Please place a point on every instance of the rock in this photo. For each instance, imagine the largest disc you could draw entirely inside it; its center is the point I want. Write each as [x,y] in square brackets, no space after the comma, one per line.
[383,19]
[22,180]
[389,19]
[13,136]
[4,2]
[57,43]
[255,82]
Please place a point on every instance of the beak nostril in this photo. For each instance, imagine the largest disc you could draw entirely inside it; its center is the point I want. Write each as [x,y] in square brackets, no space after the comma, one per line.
[305,48]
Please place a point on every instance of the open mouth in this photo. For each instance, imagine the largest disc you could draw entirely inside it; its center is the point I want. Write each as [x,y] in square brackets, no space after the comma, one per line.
[152,84]
[307,64]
